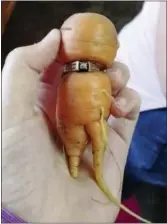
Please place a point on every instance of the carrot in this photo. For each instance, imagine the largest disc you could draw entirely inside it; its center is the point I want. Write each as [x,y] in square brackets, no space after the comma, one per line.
[84,99]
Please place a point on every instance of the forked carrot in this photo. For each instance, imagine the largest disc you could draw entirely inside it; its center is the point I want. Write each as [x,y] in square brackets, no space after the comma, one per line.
[83,98]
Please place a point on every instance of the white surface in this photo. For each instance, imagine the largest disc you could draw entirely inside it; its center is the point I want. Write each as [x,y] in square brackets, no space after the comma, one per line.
[138,51]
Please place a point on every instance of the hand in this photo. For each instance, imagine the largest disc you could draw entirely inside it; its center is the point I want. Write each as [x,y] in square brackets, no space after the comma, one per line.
[36,184]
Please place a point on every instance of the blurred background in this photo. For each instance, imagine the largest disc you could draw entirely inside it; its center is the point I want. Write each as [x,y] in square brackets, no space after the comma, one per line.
[25,23]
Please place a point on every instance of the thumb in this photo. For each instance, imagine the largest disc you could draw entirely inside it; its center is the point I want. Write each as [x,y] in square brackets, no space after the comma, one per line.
[20,78]
[40,55]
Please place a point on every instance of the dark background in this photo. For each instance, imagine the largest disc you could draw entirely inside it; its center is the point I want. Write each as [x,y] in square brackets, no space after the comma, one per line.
[31,21]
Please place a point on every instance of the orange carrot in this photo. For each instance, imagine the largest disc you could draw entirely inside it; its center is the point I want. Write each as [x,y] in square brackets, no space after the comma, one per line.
[84,99]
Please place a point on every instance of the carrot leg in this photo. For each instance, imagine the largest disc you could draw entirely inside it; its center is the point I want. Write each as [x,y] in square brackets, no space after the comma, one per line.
[74,139]
[97,132]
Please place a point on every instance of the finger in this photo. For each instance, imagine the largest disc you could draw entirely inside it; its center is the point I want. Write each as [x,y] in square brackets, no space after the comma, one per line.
[40,55]
[47,89]
[52,72]
[47,94]
[128,101]
[119,75]
[126,104]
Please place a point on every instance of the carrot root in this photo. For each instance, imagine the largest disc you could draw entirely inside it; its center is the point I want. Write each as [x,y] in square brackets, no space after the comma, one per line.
[74,162]
[98,158]
[103,128]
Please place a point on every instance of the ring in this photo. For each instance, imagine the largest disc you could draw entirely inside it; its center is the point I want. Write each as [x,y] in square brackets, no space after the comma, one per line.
[82,66]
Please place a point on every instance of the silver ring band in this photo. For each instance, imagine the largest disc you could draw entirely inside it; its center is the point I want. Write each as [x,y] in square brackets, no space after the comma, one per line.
[82,66]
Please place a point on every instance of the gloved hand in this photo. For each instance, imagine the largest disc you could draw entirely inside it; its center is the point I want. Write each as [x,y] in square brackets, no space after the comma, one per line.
[36,184]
